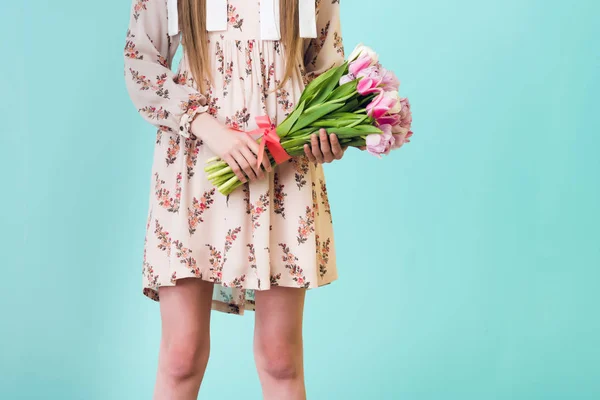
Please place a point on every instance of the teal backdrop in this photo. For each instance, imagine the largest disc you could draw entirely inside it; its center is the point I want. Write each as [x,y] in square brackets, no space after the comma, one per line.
[469,260]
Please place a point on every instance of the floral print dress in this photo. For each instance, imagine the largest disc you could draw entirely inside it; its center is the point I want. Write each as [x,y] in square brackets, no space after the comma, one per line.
[271,232]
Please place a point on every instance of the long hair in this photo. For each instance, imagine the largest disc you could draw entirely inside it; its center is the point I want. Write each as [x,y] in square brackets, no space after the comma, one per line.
[192,20]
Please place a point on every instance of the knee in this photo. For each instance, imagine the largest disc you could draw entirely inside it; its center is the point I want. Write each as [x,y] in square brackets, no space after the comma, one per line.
[281,361]
[184,360]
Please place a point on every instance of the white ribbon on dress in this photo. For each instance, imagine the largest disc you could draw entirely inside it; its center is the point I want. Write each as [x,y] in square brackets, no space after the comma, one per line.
[216,18]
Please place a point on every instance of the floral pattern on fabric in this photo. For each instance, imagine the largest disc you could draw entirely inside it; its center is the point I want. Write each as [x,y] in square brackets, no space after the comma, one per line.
[271,232]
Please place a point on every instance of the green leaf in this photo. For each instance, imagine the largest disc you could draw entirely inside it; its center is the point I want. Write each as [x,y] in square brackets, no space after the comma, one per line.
[326,89]
[339,114]
[314,86]
[286,126]
[342,91]
[350,106]
[328,123]
[309,117]
[355,131]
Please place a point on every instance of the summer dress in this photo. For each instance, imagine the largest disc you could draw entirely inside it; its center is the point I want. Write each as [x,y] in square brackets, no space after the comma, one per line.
[275,231]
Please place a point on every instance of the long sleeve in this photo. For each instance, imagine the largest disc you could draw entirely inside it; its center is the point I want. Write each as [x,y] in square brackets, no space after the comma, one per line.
[151,84]
[326,50]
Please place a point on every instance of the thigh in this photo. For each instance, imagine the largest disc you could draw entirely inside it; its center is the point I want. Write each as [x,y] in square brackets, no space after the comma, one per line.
[185,309]
[279,312]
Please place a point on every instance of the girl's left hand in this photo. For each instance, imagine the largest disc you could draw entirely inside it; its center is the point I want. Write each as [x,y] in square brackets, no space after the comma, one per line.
[323,149]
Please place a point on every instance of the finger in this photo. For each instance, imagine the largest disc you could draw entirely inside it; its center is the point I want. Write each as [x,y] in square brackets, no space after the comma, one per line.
[266,163]
[235,168]
[244,165]
[251,158]
[325,146]
[309,153]
[362,147]
[255,148]
[336,148]
[316,150]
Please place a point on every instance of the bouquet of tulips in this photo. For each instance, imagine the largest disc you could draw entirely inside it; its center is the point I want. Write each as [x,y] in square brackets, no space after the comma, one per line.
[358,101]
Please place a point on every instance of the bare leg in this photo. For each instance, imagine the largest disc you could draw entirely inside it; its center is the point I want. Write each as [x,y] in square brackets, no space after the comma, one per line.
[278,343]
[185,342]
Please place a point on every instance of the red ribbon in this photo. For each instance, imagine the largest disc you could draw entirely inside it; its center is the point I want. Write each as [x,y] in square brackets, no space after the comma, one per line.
[270,139]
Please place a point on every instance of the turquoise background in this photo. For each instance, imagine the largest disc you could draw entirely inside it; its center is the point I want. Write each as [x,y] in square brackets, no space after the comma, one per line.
[469,260]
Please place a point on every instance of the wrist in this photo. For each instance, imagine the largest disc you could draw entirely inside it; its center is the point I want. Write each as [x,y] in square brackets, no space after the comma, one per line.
[201,124]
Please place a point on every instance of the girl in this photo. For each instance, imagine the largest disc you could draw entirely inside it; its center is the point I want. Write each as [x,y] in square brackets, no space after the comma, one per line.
[262,246]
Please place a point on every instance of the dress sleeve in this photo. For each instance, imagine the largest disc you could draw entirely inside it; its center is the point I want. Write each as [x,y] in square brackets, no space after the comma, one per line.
[326,50]
[152,86]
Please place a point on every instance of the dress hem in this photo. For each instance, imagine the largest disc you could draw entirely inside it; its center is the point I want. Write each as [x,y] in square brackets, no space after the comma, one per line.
[152,292]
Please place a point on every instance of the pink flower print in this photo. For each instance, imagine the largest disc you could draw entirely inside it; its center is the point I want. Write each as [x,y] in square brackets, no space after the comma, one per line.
[163,238]
[155,113]
[234,18]
[220,58]
[317,43]
[197,209]
[278,196]
[314,199]
[275,279]
[162,61]
[249,47]
[185,256]
[173,149]
[322,255]
[252,261]
[131,52]
[239,120]
[192,148]
[337,43]
[290,264]
[195,101]
[246,190]
[214,261]
[257,209]
[212,103]
[283,99]
[325,198]
[139,6]
[227,77]
[163,195]
[146,84]
[236,282]
[218,259]
[148,273]
[306,225]
[301,167]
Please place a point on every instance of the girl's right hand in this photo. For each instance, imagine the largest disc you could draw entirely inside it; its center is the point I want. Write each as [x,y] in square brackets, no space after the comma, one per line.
[237,149]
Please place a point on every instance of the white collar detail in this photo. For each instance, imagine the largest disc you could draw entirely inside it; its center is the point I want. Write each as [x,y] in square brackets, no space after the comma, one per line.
[217,19]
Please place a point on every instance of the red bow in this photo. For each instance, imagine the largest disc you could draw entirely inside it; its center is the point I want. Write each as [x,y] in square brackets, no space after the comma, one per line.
[270,139]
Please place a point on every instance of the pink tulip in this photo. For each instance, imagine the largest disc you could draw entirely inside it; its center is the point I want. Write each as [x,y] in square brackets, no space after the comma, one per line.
[359,64]
[389,81]
[347,78]
[401,136]
[389,119]
[370,79]
[405,114]
[380,105]
[367,85]
[380,143]
[370,72]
